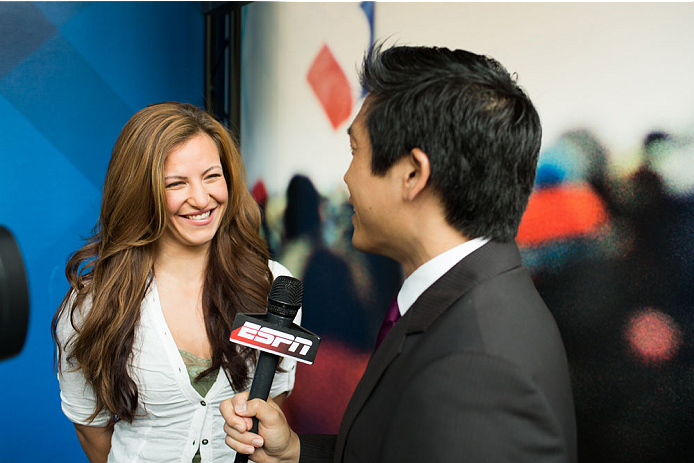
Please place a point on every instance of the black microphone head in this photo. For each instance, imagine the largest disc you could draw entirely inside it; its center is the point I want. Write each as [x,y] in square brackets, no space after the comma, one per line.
[285,296]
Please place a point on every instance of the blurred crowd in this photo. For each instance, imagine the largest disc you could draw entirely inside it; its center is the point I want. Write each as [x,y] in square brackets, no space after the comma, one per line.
[613,256]
[611,252]
[311,234]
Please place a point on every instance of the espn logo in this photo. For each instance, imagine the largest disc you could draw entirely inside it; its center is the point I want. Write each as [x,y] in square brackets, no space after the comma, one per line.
[253,330]
[274,338]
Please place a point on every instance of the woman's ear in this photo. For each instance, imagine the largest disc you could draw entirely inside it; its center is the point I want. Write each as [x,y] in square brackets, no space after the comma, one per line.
[418,172]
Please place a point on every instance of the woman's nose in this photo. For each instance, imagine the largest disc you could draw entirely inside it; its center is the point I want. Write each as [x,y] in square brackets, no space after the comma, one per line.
[199,197]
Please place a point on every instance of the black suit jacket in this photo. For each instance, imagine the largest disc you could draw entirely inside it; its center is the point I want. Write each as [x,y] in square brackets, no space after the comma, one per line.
[474,372]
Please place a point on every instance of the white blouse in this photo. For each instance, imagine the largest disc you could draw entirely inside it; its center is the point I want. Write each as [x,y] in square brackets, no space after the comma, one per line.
[172,419]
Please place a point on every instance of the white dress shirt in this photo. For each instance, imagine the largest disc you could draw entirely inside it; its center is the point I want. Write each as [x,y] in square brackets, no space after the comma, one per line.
[426,274]
[172,419]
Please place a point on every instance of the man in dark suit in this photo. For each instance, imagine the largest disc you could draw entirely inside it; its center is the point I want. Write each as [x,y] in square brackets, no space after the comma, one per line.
[444,150]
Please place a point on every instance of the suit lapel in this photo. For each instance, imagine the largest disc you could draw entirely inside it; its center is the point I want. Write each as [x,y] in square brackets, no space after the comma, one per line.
[489,260]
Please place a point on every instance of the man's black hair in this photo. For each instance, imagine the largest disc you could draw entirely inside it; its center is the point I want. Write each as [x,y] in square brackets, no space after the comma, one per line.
[479,129]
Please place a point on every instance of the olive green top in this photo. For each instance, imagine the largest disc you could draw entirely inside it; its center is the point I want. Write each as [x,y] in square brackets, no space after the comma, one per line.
[195,366]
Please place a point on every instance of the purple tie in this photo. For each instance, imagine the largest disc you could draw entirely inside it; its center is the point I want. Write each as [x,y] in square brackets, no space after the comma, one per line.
[392,316]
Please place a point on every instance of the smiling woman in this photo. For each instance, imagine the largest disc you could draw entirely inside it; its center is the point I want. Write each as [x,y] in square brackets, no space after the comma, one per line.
[143,353]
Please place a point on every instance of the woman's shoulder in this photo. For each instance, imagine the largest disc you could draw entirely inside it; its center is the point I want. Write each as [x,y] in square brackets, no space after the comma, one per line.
[71,316]
[278,269]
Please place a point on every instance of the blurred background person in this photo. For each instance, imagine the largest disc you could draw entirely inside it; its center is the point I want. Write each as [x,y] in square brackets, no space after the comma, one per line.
[338,315]
[328,281]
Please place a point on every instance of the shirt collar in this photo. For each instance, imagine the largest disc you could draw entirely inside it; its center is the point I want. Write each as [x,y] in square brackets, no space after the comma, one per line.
[426,274]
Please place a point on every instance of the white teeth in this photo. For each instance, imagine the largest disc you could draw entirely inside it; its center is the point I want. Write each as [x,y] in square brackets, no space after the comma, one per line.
[200,216]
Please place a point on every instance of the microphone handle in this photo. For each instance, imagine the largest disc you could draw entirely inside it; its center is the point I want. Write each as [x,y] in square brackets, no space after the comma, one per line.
[260,388]
[262,378]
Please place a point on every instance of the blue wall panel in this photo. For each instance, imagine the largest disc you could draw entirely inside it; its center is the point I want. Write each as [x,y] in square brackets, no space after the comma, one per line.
[71,74]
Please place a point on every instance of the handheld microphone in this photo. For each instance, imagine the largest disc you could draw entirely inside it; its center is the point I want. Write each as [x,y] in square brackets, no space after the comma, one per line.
[275,335]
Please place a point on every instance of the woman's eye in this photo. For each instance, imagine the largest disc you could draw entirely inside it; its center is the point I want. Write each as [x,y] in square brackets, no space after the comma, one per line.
[174,184]
[212,176]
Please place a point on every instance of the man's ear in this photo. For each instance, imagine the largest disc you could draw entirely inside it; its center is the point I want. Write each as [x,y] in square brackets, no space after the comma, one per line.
[418,173]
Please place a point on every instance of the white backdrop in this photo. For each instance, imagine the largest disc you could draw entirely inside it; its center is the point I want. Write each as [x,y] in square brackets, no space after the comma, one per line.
[620,69]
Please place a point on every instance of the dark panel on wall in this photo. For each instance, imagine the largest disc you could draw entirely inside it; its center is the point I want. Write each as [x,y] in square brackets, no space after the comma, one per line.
[223,62]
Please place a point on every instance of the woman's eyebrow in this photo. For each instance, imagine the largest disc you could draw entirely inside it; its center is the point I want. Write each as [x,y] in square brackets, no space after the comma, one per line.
[183,176]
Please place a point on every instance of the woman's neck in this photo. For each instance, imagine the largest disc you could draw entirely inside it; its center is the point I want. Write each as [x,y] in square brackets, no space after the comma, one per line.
[182,262]
[180,280]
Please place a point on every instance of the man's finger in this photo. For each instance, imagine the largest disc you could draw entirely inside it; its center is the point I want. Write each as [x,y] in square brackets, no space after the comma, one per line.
[267,413]
[228,408]
[238,446]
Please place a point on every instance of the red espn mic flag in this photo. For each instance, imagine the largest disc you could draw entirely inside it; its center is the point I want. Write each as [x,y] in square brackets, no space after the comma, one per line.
[292,341]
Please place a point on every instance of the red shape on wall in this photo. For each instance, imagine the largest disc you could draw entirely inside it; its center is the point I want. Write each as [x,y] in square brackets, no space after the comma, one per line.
[331,86]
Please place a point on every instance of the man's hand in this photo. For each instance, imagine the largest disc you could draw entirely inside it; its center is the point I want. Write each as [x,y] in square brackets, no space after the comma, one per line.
[275,441]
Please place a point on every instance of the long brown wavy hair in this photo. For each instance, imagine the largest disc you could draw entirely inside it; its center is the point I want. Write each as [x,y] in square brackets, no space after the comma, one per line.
[114,268]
